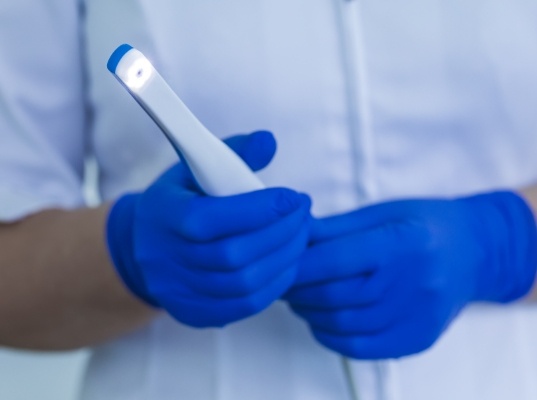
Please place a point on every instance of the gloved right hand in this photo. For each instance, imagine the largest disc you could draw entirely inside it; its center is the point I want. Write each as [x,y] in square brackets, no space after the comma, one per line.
[209,261]
[385,281]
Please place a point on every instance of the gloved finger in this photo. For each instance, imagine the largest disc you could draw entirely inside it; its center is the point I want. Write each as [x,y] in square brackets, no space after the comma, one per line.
[256,149]
[202,312]
[371,318]
[401,340]
[344,322]
[203,219]
[366,218]
[352,292]
[236,252]
[359,253]
[180,177]
[248,280]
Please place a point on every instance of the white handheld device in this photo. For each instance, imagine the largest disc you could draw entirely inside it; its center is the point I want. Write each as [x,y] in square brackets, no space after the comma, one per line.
[216,168]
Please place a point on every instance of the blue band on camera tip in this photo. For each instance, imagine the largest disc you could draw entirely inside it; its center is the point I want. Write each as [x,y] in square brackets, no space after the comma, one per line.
[116,57]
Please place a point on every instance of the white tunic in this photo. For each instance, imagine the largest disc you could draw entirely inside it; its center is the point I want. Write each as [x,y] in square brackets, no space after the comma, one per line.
[368,99]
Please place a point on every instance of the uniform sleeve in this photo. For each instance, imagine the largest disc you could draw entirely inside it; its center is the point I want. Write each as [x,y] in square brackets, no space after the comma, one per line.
[42,110]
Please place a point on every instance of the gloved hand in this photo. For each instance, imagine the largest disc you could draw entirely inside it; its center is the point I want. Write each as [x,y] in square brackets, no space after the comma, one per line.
[209,261]
[385,281]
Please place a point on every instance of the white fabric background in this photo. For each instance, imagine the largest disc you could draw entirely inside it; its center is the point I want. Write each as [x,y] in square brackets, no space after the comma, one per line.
[43,376]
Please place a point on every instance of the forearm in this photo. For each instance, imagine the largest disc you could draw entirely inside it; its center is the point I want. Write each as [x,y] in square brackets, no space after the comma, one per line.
[530,195]
[58,289]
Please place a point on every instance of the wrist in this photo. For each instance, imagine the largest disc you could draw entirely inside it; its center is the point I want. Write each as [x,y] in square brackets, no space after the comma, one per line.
[506,231]
[120,242]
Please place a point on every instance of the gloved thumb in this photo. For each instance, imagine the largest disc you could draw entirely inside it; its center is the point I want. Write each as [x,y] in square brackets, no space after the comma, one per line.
[256,149]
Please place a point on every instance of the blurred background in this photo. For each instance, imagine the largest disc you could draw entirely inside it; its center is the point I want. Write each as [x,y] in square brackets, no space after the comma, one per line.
[43,376]
[27,375]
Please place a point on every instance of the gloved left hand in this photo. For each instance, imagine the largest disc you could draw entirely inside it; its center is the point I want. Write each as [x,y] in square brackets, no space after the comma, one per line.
[385,281]
[209,261]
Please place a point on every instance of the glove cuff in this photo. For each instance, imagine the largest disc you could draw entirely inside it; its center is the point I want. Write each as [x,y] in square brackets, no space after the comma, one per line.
[120,242]
[507,227]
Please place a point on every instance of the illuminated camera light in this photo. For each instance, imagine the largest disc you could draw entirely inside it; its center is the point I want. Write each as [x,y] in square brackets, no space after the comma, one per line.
[138,73]
[134,70]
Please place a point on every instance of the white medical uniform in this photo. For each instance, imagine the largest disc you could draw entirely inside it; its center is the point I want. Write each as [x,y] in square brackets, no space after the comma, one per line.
[368,99]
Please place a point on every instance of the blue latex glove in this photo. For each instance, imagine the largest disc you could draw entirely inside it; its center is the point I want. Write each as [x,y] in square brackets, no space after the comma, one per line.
[209,261]
[385,281]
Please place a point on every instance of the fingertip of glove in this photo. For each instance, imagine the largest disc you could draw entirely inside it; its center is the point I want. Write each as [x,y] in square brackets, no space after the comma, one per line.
[259,149]
[265,137]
